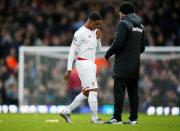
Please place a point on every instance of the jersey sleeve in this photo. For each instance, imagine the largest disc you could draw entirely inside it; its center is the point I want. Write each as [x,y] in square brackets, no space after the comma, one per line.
[71,56]
[76,42]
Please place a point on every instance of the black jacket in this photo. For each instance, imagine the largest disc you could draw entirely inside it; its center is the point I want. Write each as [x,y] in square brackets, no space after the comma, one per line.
[127,47]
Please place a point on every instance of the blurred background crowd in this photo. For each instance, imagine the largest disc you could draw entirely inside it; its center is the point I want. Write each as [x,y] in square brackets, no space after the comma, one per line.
[53,22]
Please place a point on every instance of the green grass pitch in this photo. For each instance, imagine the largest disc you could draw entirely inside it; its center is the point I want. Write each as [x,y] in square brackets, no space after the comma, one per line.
[37,122]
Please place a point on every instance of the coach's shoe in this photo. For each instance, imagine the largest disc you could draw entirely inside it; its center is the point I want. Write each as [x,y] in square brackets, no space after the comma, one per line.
[98,121]
[66,117]
[113,121]
[131,122]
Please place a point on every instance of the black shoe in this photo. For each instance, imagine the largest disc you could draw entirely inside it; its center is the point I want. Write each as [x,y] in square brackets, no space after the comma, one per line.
[113,121]
[134,122]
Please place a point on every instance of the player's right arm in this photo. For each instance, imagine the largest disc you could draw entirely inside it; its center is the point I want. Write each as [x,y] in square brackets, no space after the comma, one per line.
[71,56]
[72,51]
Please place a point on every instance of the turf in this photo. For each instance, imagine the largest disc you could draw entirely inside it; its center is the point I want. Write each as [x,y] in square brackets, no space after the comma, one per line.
[37,122]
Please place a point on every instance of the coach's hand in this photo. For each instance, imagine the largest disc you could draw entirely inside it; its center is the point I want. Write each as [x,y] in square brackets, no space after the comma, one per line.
[67,75]
[106,57]
[98,33]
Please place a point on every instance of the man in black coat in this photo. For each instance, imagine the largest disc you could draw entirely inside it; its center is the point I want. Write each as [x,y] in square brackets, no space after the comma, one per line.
[127,47]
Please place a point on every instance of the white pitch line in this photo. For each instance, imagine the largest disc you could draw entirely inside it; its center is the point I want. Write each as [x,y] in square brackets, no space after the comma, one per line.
[52,121]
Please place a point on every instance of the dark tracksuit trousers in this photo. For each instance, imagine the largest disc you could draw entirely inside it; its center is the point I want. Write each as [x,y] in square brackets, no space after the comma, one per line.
[120,84]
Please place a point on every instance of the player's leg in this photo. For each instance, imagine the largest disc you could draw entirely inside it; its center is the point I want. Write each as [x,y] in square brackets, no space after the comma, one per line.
[93,103]
[65,113]
[79,99]
[93,93]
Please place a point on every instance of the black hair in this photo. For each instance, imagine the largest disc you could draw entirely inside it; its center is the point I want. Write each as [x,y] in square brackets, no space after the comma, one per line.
[94,16]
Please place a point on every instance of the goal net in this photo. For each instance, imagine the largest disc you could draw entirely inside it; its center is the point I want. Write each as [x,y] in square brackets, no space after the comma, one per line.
[41,82]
